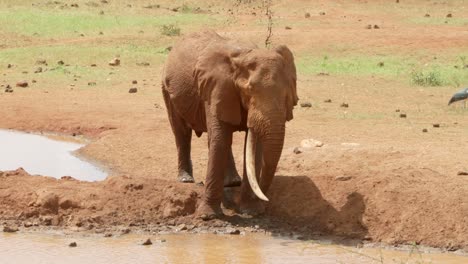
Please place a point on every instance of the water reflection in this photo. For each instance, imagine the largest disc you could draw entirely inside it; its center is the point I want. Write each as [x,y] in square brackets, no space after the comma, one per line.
[41,155]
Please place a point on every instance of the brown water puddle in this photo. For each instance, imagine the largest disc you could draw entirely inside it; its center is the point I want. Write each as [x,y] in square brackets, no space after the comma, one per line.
[197,248]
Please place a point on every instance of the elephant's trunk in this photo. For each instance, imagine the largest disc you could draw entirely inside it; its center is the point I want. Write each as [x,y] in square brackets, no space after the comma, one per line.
[264,152]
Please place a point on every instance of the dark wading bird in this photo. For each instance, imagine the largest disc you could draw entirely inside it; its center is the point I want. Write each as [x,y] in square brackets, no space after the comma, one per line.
[458,96]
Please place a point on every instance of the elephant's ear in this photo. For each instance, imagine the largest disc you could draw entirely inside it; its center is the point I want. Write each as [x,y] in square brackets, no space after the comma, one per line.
[213,75]
[291,98]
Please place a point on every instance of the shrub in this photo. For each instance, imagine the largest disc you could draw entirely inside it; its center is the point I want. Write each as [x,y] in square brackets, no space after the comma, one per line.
[431,78]
[170,30]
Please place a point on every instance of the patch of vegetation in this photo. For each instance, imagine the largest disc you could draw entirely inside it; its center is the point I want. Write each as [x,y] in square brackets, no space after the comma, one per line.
[431,78]
[448,71]
[170,30]
[62,23]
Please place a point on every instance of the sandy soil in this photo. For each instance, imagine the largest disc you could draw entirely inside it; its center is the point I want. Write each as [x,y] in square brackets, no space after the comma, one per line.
[377,177]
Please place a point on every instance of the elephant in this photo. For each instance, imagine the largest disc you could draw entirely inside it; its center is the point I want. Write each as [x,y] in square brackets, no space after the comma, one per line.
[220,86]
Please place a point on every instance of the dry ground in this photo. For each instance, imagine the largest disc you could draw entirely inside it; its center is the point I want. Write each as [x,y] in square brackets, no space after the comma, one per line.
[394,183]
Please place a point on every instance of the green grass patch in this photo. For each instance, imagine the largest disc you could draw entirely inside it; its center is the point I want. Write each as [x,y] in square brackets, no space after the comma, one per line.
[170,30]
[452,21]
[62,23]
[441,72]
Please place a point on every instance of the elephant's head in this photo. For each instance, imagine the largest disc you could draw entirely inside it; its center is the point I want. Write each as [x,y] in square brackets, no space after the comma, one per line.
[260,82]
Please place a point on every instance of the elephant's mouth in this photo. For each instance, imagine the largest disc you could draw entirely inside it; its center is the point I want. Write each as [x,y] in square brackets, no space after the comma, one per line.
[252,158]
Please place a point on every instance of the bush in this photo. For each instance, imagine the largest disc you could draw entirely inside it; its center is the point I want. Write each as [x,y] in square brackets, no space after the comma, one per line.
[170,30]
[431,78]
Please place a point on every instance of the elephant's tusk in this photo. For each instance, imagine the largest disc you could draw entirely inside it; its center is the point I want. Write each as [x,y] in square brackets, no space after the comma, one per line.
[250,162]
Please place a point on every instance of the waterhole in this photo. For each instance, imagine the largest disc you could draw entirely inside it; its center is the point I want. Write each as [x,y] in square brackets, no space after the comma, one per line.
[198,248]
[44,156]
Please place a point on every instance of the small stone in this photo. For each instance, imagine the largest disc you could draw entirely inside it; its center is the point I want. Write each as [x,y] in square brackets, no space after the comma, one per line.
[369,26]
[38,70]
[297,150]
[232,231]
[462,173]
[161,240]
[287,28]
[307,15]
[60,62]
[397,110]
[427,15]
[424,130]
[27,224]
[33,81]
[310,143]
[343,178]
[147,242]
[306,104]
[143,64]
[91,83]
[381,64]
[322,13]
[74,5]
[376,27]
[328,101]
[9,66]
[101,33]
[449,15]
[115,62]
[108,235]
[10,229]
[132,90]
[345,105]
[134,82]
[22,84]
[125,231]
[436,125]
[72,244]
[101,12]
[41,62]
[402,115]
[93,65]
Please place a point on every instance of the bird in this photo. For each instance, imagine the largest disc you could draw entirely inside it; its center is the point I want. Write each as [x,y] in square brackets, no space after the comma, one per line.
[458,96]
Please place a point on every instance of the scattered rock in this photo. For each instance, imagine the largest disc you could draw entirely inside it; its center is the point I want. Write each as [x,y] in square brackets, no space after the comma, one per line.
[402,115]
[114,62]
[134,82]
[436,125]
[322,13]
[343,178]
[369,26]
[232,231]
[427,15]
[27,224]
[345,105]
[101,12]
[424,130]
[104,1]
[306,104]
[132,90]
[10,229]
[310,143]
[41,62]
[297,150]
[60,62]
[22,84]
[381,64]
[147,242]
[397,110]
[328,101]
[462,173]
[91,83]
[8,90]
[307,15]
[449,15]
[33,81]
[287,28]
[93,65]
[38,70]
[143,64]
[72,244]
[376,27]
[9,66]
[75,5]
[101,33]
[397,1]
[108,235]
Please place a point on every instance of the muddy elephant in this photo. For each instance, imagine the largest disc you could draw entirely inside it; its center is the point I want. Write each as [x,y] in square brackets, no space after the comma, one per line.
[219,86]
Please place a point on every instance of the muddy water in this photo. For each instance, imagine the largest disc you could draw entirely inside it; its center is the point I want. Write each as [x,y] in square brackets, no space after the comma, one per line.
[45,156]
[201,248]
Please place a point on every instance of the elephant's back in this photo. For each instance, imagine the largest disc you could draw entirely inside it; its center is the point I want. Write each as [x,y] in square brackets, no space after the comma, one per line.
[178,78]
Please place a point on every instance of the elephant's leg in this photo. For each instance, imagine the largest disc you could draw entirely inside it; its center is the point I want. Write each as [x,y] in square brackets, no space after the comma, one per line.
[220,139]
[231,177]
[183,138]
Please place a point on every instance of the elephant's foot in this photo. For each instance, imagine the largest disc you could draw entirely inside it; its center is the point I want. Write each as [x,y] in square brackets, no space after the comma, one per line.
[253,207]
[232,178]
[231,197]
[185,177]
[208,212]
